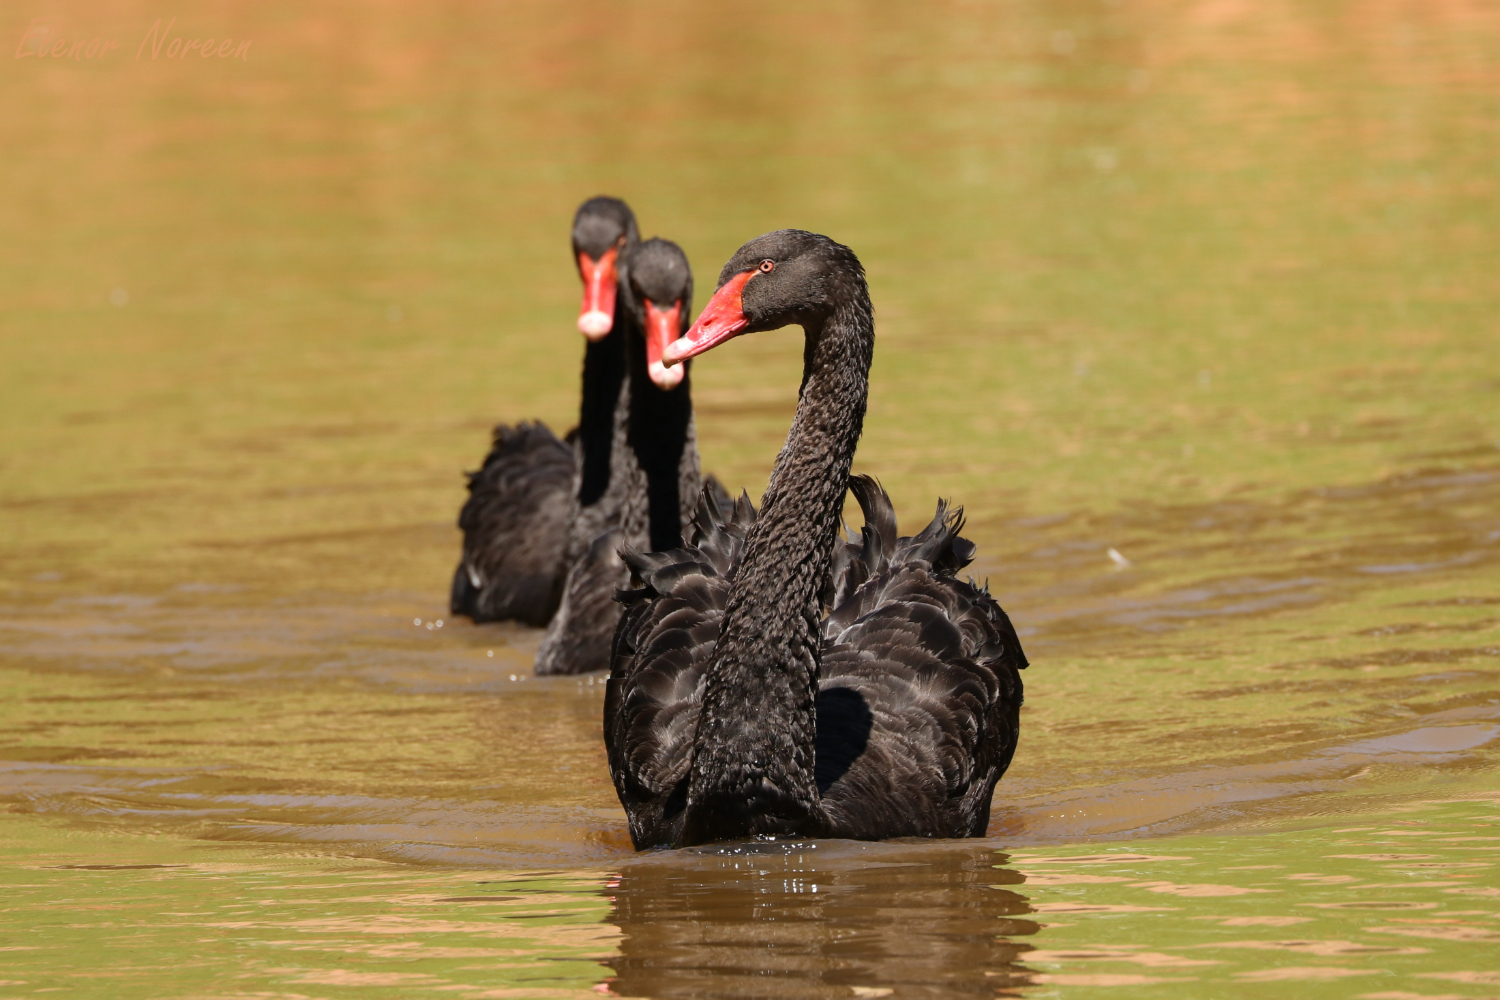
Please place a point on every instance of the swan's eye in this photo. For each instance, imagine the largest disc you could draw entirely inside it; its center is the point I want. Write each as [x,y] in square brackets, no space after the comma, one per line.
[767,266]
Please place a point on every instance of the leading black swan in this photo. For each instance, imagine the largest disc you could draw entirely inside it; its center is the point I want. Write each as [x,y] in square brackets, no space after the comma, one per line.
[769,680]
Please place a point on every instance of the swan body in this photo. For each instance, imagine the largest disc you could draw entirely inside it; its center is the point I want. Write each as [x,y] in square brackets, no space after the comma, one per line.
[919,686]
[654,467]
[770,679]
[515,523]
[526,499]
[545,517]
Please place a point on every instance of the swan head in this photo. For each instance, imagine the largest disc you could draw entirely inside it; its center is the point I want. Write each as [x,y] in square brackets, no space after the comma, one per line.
[661,281]
[603,229]
[789,277]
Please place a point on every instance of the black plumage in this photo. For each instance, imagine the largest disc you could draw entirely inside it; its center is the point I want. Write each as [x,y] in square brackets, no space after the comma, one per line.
[525,501]
[769,679]
[545,518]
[654,467]
[515,524]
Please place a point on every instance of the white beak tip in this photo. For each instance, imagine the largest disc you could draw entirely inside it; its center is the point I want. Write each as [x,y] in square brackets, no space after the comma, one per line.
[595,324]
[664,377]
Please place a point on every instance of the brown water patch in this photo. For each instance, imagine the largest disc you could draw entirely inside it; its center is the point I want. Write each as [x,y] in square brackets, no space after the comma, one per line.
[1295,553]
[112,868]
[1302,974]
[755,920]
[1150,959]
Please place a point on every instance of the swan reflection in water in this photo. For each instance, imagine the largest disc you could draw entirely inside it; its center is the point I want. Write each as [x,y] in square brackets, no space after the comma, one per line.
[814,919]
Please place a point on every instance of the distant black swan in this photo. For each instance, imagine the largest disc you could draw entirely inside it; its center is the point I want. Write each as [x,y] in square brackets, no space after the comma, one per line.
[738,702]
[654,479]
[544,516]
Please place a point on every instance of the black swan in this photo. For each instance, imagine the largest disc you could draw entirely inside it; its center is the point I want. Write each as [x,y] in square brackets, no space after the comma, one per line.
[768,680]
[531,488]
[655,478]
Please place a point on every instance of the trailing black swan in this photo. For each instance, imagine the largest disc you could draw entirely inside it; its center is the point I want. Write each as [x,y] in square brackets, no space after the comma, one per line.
[654,480]
[530,490]
[769,679]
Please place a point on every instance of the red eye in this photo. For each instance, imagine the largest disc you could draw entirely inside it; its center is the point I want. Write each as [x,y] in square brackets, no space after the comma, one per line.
[766,266]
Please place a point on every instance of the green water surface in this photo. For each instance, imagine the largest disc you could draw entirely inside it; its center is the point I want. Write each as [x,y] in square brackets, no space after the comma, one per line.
[1192,306]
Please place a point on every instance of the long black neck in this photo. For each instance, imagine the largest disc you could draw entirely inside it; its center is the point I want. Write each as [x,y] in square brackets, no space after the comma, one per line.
[603,376]
[658,434]
[752,769]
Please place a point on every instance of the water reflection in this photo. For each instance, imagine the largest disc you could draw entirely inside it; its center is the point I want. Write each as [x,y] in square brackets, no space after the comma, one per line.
[820,919]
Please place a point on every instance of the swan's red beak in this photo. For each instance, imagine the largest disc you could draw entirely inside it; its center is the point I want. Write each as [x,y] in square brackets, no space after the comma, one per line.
[661,329]
[600,280]
[721,319]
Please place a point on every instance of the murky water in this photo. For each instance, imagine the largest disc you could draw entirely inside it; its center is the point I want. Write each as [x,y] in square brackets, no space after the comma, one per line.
[1192,306]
